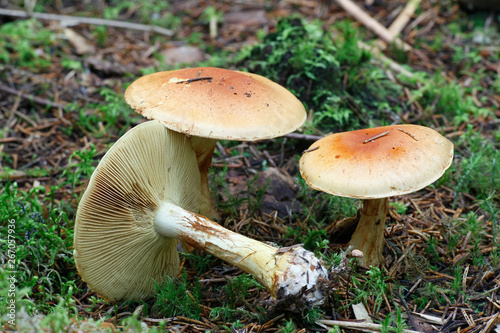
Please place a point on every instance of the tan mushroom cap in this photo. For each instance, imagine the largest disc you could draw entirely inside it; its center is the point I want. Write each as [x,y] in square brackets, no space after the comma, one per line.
[399,159]
[217,103]
[117,252]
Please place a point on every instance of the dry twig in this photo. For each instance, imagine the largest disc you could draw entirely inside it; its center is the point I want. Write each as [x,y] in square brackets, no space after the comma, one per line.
[403,18]
[67,21]
[391,64]
[299,136]
[31,97]
[372,24]
[401,21]
[356,325]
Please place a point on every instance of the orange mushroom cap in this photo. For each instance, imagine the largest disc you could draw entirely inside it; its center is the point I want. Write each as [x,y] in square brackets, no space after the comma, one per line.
[217,103]
[377,162]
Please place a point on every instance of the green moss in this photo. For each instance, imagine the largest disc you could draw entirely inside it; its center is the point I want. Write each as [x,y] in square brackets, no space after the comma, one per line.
[329,73]
[38,238]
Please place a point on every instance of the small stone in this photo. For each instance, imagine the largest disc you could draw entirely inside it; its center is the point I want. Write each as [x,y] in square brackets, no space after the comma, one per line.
[356,253]
[183,54]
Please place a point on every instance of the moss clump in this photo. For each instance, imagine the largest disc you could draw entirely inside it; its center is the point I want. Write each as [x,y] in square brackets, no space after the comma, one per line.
[326,71]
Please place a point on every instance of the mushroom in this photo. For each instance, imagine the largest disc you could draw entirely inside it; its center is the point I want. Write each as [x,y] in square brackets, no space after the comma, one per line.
[141,199]
[209,104]
[374,164]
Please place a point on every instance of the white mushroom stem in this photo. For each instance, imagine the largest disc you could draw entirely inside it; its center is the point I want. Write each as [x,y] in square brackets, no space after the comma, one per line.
[284,272]
[369,234]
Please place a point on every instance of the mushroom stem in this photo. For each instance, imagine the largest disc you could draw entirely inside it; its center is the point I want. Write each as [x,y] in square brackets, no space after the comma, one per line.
[204,149]
[369,234]
[283,272]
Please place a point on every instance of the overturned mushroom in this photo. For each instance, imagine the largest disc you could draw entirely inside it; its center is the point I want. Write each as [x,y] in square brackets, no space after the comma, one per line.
[374,164]
[210,104]
[140,201]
